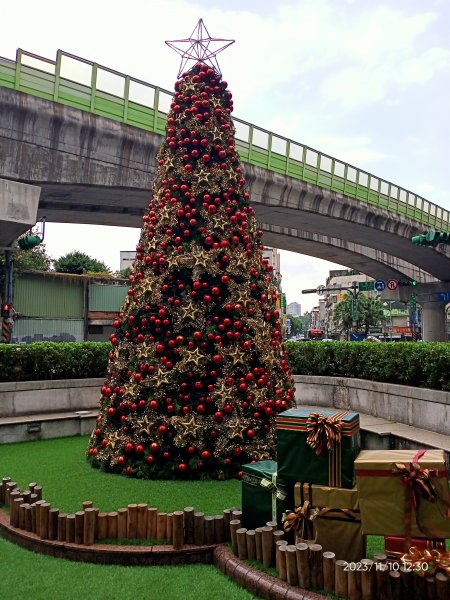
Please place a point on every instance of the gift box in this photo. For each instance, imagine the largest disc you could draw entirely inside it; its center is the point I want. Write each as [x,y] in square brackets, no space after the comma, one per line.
[397,546]
[263,497]
[318,446]
[403,493]
[335,519]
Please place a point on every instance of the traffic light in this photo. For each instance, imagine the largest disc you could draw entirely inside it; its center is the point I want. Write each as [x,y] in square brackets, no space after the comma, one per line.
[408,282]
[431,238]
[27,242]
[6,310]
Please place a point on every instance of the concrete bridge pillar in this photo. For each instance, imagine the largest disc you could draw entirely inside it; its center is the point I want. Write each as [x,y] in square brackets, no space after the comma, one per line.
[434,322]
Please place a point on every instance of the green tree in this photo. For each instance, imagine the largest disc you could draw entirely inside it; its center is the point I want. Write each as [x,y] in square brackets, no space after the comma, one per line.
[296,324]
[79,263]
[125,273]
[36,259]
[299,324]
[370,313]
[342,315]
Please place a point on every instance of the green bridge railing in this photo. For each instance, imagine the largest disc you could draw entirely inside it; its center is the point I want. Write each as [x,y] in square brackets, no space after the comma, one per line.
[88,86]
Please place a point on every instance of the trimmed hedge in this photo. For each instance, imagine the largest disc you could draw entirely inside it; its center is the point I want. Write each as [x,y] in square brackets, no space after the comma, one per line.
[424,365]
[420,365]
[53,360]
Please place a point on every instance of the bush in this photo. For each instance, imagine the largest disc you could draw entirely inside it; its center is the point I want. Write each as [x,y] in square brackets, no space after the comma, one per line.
[420,365]
[407,363]
[53,360]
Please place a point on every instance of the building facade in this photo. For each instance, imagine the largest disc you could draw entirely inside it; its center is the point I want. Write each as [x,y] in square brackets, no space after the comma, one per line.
[59,307]
[294,308]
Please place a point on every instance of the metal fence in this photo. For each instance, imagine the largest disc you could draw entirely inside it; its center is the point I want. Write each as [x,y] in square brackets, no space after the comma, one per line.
[88,86]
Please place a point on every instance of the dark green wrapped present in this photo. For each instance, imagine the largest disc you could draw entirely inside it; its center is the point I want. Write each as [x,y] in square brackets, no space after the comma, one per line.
[318,446]
[263,498]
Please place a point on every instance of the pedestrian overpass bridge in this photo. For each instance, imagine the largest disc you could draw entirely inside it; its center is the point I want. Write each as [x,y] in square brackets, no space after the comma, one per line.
[88,136]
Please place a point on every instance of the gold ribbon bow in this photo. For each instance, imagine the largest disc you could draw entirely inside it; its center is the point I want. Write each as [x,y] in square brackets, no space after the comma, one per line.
[323,432]
[301,521]
[427,562]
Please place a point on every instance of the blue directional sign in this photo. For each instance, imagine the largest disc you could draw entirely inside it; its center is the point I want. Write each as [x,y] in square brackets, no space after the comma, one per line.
[443,296]
[380,285]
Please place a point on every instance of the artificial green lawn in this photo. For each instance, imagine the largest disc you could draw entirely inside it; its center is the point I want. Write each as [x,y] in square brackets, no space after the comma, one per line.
[24,574]
[60,466]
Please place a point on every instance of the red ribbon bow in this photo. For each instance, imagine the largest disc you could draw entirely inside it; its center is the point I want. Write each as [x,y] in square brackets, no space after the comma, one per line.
[418,482]
[323,432]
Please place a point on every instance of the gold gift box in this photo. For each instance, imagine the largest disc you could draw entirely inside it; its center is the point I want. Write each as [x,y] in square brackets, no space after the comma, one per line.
[338,529]
[383,498]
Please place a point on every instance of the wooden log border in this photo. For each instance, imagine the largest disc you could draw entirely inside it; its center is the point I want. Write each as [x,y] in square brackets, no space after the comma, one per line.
[47,537]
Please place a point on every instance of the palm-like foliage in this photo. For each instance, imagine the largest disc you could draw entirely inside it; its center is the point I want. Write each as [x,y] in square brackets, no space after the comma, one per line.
[370,313]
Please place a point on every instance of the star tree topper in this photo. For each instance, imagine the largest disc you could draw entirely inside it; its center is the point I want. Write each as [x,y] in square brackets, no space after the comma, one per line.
[199,47]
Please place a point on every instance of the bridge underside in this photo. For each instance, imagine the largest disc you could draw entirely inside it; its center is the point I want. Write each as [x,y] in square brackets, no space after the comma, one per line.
[98,171]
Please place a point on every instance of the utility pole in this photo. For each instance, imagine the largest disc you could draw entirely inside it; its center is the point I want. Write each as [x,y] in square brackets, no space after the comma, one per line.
[7,309]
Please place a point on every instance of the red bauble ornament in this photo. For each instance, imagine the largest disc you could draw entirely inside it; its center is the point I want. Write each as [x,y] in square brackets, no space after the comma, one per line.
[150,459]
[251,433]
[139,449]
[206,454]
[218,416]
[129,447]
[154,447]
[182,467]
[121,460]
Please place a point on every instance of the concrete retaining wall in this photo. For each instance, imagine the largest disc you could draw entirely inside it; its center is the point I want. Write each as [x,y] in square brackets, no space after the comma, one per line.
[418,407]
[43,397]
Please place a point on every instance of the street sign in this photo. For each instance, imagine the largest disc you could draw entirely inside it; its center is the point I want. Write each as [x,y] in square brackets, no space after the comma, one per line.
[380,285]
[443,296]
[320,290]
[375,330]
[355,309]
[366,286]
[392,284]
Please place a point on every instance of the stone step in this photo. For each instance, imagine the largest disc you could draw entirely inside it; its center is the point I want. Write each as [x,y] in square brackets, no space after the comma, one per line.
[376,433]
[46,426]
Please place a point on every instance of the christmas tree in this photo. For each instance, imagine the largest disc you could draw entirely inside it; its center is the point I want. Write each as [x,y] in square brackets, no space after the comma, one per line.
[197,370]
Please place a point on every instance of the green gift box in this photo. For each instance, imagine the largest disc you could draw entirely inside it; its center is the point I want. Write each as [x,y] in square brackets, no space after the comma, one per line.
[263,498]
[318,446]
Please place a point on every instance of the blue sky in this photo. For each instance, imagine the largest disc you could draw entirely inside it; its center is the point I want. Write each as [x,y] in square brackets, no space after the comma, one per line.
[366,81]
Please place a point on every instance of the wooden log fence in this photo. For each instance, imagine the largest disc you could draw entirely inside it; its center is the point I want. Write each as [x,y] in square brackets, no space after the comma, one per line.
[301,565]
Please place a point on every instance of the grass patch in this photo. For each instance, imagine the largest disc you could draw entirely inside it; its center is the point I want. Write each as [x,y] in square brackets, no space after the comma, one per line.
[60,466]
[24,574]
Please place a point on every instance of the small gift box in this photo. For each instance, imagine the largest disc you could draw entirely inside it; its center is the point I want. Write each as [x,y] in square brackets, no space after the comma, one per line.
[263,497]
[318,446]
[330,517]
[396,546]
[403,493]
